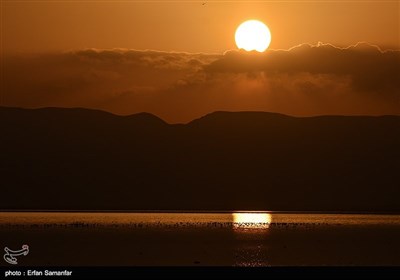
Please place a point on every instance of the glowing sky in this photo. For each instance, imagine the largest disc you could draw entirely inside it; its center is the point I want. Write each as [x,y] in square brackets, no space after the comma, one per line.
[100,54]
[190,26]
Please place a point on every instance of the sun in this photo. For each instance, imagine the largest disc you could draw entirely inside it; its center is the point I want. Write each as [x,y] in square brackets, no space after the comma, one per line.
[253,35]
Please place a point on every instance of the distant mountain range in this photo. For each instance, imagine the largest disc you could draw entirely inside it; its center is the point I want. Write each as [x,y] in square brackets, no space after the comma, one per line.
[82,159]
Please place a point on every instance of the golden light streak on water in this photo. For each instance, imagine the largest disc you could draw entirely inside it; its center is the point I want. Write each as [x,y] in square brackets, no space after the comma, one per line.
[251,220]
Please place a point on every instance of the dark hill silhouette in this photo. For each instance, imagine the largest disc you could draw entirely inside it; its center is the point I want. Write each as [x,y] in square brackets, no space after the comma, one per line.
[55,158]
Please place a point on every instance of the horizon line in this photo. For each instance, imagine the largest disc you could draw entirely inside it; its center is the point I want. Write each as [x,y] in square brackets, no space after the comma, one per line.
[160,211]
[200,117]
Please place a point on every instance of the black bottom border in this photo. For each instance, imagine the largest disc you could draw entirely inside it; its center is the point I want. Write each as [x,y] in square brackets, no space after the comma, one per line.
[320,272]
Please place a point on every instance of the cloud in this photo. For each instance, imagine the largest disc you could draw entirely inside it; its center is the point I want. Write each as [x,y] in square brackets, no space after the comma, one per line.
[145,59]
[369,68]
[304,80]
[91,77]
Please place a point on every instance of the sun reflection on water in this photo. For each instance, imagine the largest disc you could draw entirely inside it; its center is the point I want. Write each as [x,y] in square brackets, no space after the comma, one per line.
[251,220]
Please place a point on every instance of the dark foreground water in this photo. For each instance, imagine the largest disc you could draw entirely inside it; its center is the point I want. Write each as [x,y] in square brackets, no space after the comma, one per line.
[201,239]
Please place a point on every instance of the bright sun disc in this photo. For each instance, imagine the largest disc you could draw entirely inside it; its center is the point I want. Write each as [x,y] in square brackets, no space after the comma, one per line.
[253,35]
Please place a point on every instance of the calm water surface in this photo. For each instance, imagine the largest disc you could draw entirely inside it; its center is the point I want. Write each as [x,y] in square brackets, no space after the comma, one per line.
[228,239]
[249,219]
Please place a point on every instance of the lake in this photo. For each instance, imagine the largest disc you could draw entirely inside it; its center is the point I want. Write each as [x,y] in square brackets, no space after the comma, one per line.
[201,239]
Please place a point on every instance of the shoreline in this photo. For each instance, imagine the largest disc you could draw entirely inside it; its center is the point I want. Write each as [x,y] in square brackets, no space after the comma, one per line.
[199,211]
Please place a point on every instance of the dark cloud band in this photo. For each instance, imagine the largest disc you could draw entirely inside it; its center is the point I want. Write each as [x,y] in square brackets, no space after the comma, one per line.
[304,80]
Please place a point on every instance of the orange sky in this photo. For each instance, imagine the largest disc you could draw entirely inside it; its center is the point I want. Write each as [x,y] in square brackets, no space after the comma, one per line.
[100,54]
[39,26]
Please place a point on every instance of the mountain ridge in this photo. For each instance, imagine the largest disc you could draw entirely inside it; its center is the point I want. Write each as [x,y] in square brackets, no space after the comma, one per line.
[223,161]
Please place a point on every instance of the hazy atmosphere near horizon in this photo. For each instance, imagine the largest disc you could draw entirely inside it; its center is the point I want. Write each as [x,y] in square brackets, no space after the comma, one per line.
[179,60]
[199,133]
